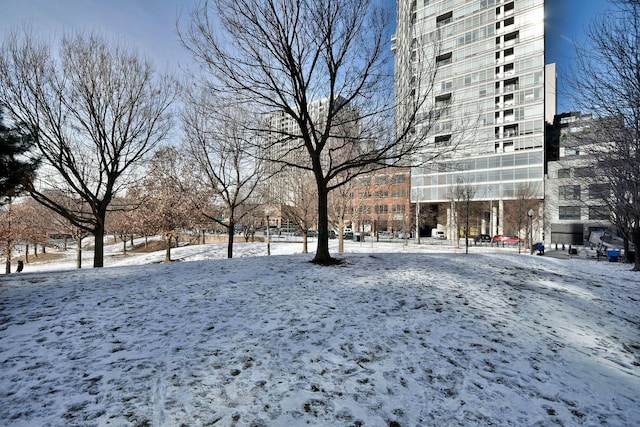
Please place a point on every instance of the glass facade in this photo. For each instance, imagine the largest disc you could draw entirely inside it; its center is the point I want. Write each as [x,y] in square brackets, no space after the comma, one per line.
[491,69]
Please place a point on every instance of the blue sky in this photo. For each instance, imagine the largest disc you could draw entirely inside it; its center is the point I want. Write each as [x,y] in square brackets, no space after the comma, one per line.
[149,25]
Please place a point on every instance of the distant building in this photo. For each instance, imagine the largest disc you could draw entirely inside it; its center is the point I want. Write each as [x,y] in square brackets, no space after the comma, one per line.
[491,68]
[380,201]
[285,148]
[573,207]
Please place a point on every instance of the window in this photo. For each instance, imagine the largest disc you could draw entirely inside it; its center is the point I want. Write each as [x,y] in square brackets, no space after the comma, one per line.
[399,179]
[511,37]
[443,139]
[511,84]
[571,151]
[510,131]
[598,213]
[383,194]
[443,100]
[598,191]
[569,192]
[564,173]
[444,59]
[398,208]
[382,180]
[444,19]
[569,212]
[399,193]
[582,172]
[382,209]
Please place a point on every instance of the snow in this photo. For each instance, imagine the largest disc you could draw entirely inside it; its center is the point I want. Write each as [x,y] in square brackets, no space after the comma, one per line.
[397,335]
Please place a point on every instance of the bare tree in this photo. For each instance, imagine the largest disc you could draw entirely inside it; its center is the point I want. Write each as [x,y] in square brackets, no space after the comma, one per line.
[9,232]
[327,66]
[300,204]
[166,202]
[516,213]
[461,196]
[35,224]
[606,81]
[221,146]
[96,110]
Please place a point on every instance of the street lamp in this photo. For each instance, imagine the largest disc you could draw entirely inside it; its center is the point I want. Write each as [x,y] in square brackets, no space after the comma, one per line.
[530,213]
[267,212]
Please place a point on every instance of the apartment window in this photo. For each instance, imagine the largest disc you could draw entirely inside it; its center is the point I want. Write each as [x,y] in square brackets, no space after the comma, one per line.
[582,172]
[569,212]
[511,84]
[444,59]
[571,151]
[564,173]
[399,193]
[399,179]
[509,7]
[509,21]
[569,192]
[382,209]
[443,100]
[598,213]
[364,209]
[599,191]
[444,19]
[443,139]
[510,131]
[382,180]
[383,194]
[398,208]
[512,37]
[508,69]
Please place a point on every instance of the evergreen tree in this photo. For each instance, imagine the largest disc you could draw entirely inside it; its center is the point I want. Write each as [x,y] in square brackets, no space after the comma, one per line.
[17,166]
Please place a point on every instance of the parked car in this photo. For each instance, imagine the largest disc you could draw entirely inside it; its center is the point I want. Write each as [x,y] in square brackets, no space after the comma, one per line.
[438,234]
[511,240]
[506,240]
[482,238]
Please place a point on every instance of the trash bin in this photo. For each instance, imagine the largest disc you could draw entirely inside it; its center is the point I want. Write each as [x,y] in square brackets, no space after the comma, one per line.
[613,255]
[357,237]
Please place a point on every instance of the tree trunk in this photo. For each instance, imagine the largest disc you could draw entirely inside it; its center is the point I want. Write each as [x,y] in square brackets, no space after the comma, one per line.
[305,244]
[322,253]
[98,234]
[230,231]
[79,252]
[8,257]
[124,245]
[636,242]
[26,253]
[167,253]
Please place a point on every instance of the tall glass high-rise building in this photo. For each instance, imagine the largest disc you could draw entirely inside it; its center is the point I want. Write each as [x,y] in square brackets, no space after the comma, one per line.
[491,69]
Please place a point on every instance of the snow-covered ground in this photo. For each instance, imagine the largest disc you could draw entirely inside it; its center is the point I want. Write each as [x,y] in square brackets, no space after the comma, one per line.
[398,335]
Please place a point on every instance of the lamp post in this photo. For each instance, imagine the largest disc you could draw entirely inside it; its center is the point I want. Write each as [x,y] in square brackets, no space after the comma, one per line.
[530,213]
[267,212]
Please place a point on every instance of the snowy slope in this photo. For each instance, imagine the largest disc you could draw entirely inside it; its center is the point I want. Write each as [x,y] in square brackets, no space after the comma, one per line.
[397,335]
